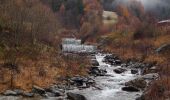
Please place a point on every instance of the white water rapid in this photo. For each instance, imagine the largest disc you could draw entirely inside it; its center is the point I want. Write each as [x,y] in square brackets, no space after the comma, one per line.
[111,85]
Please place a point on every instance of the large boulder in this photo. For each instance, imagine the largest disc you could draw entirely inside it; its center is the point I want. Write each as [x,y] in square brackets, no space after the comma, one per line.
[55,91]
[119,70]
[81,82]
[112,59]
[18,92]
[78,80]
[130,89]
[10,93]
[139,83]
[73,96]
[38,90]
[97,72]
[27,94]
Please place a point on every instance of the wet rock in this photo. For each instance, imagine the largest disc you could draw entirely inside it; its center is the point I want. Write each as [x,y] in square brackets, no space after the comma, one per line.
[140,98]
[118,62]
[10,93]
[82,82]
[38,90]
[28,94]
[18,91]
[98,72]
[134,71]
[49,94]
[90,82]
[78,81]
[112,59]
[130,89]
[119,70]
[73,96]
[150,76]
[95,62]
[53,91]
[139,83]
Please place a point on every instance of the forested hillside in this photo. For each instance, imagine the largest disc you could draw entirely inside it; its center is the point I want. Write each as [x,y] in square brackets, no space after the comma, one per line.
[30,35]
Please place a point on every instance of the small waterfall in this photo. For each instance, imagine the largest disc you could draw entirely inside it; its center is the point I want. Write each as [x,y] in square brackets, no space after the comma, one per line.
[71,41]
[74,45]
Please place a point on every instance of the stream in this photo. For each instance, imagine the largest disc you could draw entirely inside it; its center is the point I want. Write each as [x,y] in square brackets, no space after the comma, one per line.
[107,87]
[111,84]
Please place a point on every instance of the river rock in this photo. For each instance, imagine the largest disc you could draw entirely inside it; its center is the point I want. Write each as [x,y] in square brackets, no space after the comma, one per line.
[82,82]
[134,71]
[28,94]
[73,96]
[130,89]
[118,62]
[150,76]
[139,83]
[112,59]
[119,70]
[10,93]
[55,91]
[98,72]
[95,62]
[38,90]
[19,91]
[78,81]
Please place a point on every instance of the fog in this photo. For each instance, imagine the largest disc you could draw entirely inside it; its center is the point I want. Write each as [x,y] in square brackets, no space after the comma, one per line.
[159,8]
[151,4]
[148,4]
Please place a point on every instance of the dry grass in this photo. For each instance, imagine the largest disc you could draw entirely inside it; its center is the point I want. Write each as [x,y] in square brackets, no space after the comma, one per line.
[159,90]
[143,49]
[162,40]
[43,71]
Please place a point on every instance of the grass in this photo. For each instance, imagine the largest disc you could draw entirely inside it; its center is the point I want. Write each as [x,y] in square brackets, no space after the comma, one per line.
[41,65]
[143,49]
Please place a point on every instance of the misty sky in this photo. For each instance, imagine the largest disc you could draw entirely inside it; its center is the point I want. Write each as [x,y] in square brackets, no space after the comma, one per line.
[153,3]
[149,4]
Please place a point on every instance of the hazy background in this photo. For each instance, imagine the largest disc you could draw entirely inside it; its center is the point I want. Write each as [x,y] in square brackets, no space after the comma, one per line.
[159,8]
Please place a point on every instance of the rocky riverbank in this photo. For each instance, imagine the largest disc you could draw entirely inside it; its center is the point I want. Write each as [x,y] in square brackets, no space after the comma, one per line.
[109,78]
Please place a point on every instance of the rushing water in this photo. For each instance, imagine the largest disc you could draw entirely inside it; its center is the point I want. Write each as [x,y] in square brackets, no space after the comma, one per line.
[110,85]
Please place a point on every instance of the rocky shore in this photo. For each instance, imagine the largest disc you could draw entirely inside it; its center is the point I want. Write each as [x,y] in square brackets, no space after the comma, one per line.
[109,68]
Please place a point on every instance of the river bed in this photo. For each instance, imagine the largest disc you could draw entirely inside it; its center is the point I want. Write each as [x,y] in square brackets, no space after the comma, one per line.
[111,84]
